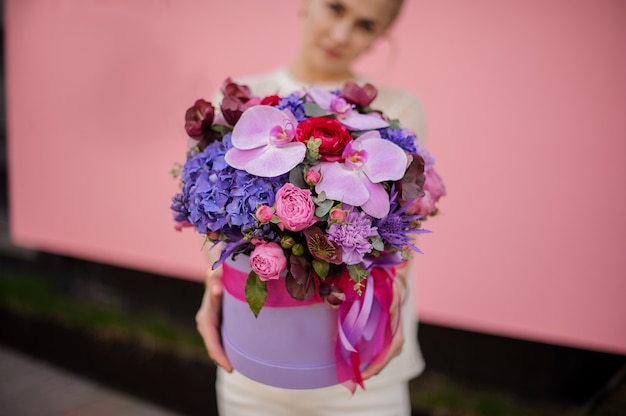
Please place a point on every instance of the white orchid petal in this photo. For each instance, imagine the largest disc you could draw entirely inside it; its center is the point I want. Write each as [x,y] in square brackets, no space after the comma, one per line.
[386,161]
[342,184]
[378,203]
[321,97]
[253,128]
[358,121]
[267,161]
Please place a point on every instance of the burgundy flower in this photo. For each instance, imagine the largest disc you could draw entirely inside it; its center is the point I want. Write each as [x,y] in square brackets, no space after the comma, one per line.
[411,185]
[332,295]
[232,89]
[321,247]
[359,96]
[232,108]
[198,119]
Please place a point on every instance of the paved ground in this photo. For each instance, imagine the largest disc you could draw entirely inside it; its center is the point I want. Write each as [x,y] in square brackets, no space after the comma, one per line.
[29,387]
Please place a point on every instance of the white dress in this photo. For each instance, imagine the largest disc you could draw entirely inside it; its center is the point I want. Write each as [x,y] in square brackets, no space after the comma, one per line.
[386,394]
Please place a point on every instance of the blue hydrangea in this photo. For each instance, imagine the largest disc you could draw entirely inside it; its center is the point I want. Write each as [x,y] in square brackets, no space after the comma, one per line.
[217,197]
[402,137]
[295,104]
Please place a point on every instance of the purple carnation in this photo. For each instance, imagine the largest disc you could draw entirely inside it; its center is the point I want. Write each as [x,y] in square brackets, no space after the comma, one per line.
[352,236]
[218,197]
[402,137]
[295,104]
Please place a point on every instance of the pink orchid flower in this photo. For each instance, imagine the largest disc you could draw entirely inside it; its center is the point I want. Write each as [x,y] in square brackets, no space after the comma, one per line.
[367,161]
[353,120]
[263,142]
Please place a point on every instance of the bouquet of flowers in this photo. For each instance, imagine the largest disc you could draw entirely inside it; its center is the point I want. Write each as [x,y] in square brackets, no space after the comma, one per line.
[322,192]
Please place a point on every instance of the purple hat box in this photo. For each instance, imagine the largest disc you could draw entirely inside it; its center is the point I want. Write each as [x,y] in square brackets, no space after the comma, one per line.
[291,344]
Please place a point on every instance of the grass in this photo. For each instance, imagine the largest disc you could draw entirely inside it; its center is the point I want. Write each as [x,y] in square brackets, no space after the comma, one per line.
[42,298]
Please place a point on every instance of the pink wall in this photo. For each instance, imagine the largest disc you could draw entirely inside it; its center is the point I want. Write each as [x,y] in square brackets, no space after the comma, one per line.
[525,103]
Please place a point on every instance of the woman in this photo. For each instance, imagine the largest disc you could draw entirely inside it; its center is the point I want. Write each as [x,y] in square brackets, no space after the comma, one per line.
[335,34]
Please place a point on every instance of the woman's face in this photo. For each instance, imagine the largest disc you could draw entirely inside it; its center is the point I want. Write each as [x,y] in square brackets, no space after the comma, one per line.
[337,32]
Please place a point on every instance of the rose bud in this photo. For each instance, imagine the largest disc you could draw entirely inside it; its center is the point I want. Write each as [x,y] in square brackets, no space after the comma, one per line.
[287,242]
[297,249]
[198,119]
[264,214]
[338,215]
[359,96]
[312,177]
[213,236]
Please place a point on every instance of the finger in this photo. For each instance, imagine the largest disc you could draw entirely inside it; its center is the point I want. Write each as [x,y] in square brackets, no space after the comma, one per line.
[208,320]
[373,369]
[213,341]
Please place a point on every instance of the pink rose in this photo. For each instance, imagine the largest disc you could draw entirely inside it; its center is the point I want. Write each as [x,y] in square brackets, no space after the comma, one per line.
[268,261]
[294,207]
[312,177]
[264,214]
[434,189]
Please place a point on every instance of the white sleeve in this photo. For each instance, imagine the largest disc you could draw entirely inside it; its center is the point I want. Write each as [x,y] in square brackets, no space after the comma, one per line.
[409,110]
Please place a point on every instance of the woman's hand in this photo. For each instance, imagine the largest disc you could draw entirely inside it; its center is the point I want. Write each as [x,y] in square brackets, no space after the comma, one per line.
[398,339]
[208,319]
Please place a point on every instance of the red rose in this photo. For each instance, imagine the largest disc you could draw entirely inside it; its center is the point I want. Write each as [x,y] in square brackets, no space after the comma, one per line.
[333,134]
[272,100]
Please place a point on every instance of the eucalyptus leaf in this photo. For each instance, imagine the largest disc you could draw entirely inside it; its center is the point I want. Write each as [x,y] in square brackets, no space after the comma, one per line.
[321,197]
[314,110]
[296,177]
[256,293]
[394,124]
[323,208]
[378,244]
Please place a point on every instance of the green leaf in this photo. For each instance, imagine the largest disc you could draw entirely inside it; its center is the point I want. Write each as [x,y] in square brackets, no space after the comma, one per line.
[357,274]
[296,177]
[321,268]
[221,129]
[323,208]
[321,197]
[394,124]
[314,110]
[256,293]
[378,244]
